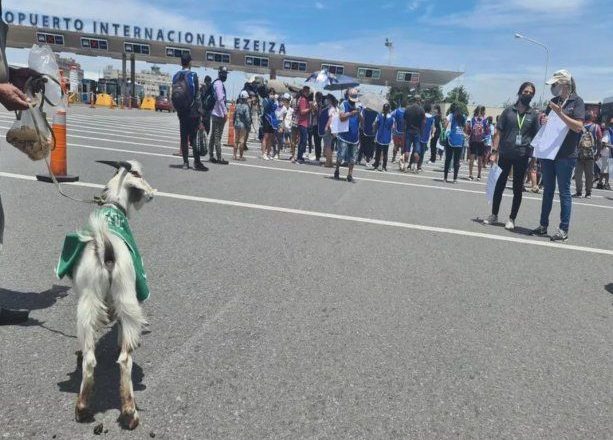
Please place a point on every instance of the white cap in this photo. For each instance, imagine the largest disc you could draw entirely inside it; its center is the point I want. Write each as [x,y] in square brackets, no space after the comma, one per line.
[244,94]
[561,75]
[287,96]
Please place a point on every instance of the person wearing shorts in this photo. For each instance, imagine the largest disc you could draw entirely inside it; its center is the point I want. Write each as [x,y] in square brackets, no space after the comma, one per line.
[348,142]
[398,135]
[477,129]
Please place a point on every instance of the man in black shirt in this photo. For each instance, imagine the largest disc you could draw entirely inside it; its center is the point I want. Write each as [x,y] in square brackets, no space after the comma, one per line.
[414,117]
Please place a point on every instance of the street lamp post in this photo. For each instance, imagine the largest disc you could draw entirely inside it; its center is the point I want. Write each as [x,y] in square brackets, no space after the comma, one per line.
[530,40]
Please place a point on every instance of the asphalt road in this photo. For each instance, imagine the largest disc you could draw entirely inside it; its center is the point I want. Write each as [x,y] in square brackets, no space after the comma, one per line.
[287,305]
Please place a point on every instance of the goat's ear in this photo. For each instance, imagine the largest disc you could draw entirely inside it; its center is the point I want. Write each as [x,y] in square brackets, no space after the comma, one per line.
[117,164]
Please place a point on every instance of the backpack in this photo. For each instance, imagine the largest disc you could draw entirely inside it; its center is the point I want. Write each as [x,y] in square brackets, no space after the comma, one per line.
[442,137]
[181,95]
[209,98]
[586,145]
[476,130]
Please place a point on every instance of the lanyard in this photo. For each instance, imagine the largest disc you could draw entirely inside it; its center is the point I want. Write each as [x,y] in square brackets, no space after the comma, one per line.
[520,124]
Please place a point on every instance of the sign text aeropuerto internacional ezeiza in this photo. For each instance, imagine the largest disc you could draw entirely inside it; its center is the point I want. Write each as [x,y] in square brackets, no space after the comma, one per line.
[138,32]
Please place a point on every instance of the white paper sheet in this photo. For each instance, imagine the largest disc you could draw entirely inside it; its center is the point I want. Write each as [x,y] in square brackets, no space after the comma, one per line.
[549,138]
[492,178]
[338,126]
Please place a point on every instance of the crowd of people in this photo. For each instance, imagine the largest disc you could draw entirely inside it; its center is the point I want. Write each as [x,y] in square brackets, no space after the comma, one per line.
[305,121]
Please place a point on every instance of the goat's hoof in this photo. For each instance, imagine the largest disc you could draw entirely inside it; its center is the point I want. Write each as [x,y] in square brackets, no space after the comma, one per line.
[129,420]
[83,415]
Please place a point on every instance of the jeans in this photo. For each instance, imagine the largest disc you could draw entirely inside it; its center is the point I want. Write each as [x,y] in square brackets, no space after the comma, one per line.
[381,150]
[454,152]
[316,140]
[188,128]
[414,141]
[346,152]
[584,166]
[560,170]
[519,166]
[215,141]
[302,143]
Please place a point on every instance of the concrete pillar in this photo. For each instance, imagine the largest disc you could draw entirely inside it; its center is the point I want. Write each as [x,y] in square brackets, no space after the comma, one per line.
[123,79]
[133,79]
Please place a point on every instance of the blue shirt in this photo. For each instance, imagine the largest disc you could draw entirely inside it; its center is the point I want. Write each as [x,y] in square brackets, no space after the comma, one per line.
[384,129]
[322,120]
[353,135]
[425,132]
[270,112]
[369,117]
[398,116]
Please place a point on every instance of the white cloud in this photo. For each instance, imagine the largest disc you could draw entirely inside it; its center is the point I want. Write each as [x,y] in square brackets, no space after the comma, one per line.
[319,5]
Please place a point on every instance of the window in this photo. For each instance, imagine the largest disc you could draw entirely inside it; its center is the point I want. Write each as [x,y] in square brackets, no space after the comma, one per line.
[94,43]
[136,48]
[411,77]
[333,68]
[177,52]
[256,61]
[218,57]
[45,38]
[366,72]
[300,66]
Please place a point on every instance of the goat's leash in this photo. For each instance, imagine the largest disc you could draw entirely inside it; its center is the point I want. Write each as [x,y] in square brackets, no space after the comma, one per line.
[38,84]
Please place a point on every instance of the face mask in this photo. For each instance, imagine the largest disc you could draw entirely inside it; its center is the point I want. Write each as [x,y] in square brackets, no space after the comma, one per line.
[556,89]
[525,99]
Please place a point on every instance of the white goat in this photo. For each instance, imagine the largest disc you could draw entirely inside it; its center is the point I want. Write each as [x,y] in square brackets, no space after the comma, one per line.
[104,279]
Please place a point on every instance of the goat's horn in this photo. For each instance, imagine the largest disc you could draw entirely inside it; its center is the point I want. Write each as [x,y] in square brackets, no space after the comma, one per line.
[117,164]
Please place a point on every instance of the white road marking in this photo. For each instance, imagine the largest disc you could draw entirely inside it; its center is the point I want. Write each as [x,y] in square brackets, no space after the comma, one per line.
[349,218]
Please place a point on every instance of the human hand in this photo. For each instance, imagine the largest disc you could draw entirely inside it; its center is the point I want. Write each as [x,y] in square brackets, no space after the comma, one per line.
[13,98]
[555,107]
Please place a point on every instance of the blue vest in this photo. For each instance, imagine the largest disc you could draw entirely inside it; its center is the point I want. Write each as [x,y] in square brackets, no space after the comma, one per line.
[456,134]
[322,120]
[369,119]
[270,112]
[353,135]
[425,132]
[384,129]
[398,115]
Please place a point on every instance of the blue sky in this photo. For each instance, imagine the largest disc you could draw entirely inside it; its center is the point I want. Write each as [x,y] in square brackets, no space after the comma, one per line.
[473,36]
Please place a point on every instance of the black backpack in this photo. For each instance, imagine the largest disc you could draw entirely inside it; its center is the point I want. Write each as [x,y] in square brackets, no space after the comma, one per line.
[587,144]
[209,98]
[181,95]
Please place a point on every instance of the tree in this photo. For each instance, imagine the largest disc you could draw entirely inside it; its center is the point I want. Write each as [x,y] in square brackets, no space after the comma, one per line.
[398,94]
[458,94]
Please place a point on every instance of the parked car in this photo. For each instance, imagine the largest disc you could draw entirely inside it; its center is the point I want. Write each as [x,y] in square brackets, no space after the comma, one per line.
[163,103]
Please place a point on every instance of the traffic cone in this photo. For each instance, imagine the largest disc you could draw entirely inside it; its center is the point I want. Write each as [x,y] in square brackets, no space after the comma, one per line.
[59,163]
[231,126]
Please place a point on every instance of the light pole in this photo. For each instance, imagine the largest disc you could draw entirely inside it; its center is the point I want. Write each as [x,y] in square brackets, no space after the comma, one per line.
[538,43]
[390,46]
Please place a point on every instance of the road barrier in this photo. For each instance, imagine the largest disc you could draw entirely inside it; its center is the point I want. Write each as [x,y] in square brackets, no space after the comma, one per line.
[59,161]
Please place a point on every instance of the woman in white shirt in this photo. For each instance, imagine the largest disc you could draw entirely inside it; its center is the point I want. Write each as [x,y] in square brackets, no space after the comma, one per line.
[605,160]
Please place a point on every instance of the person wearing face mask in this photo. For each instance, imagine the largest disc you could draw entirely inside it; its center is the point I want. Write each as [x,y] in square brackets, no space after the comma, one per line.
[383,127]
[604,155]
[219,116]
[570,108]
[516,127]
[348,141]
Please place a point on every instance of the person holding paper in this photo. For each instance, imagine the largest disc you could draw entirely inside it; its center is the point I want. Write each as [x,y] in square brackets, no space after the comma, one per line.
[570,109]
[516,127]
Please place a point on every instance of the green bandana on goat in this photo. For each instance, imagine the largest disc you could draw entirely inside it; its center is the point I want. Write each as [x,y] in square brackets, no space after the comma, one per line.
[118,224]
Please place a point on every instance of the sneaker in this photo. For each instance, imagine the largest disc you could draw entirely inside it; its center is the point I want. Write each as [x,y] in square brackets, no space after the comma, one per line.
[276,157]
[393,160]
[265,157]
[560,236]
[312,157]
[588,196]
[455,181]
[510,225]
[349,178]
[185,166]
[419,170]
[541,231]
[535,189]
[491,220]
[213,160]
[336,175]
[478,178]
[222,162]
[576,196]
[471,178]
[368,166]
[384,170]
[431,162]
[380,168]
[300,161]
[199,166]
[10,317]
[600,186]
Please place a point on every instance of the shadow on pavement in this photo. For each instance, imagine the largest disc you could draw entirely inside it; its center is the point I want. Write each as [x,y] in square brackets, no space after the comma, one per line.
[106,375]
[13,299]
[609,288]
